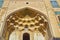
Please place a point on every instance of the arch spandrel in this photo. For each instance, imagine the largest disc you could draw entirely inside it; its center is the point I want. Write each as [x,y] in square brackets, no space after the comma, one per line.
[25,18]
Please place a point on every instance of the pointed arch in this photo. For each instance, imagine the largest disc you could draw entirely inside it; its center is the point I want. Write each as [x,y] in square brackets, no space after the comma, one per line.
[20,14]
[26,36]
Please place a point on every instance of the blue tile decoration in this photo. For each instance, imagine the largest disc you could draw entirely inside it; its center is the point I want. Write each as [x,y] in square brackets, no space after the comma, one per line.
[1,0]
[54,4]
[52,0]
[59,24]
[1,3]
[57,13]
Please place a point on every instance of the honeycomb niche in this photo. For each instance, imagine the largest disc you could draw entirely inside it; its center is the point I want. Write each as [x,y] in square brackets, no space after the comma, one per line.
[26,18]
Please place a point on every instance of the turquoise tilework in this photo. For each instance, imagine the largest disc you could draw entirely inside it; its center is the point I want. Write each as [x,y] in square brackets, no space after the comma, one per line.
[1,3]
[59,24]
[57,13]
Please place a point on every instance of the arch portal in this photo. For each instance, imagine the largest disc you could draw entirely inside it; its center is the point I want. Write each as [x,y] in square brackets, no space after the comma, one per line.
[26,18]
[26,36]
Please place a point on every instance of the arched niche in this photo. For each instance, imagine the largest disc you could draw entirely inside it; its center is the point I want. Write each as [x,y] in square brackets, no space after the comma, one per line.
[39,36]
[25,15]
[15,35]
[26,36]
